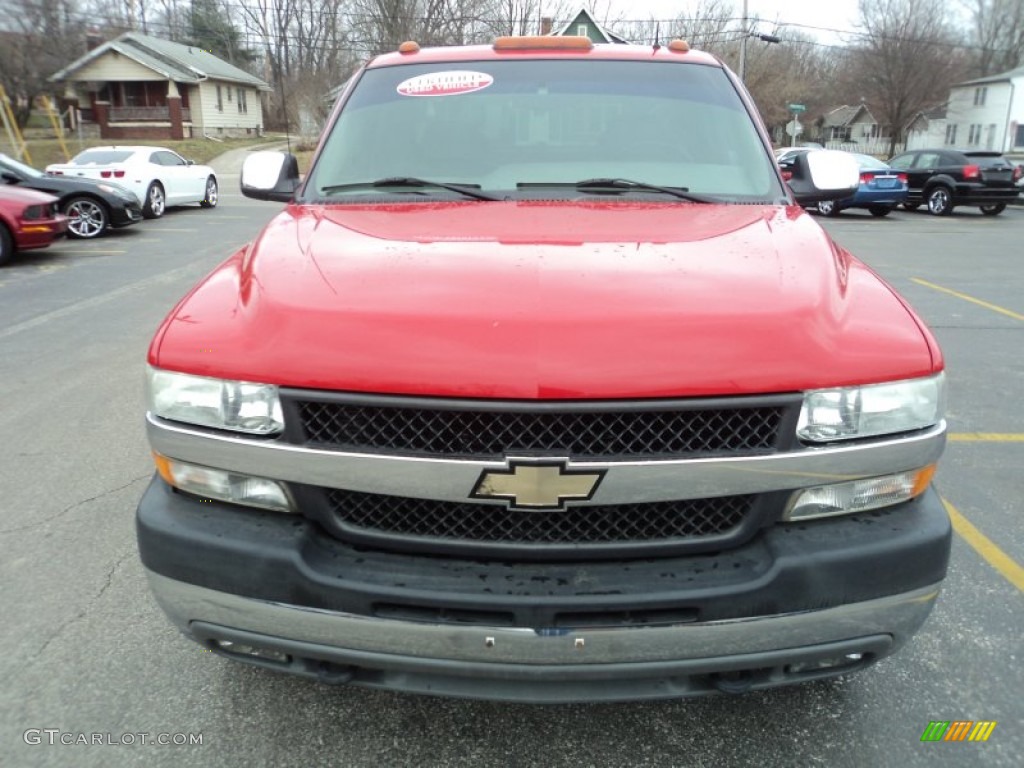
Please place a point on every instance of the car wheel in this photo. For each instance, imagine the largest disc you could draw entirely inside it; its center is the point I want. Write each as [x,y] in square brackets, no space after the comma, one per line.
[86,217]
[210,201]
[994,209]
[911,206]
[828,208]
[940,201]
[879,210]
[156,203]
[6,245]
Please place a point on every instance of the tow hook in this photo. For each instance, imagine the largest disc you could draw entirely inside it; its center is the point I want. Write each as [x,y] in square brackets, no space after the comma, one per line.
[733,682]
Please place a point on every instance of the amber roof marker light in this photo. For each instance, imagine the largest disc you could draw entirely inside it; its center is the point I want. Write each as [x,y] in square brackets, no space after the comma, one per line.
[679,46]
[409,47]
[544,43]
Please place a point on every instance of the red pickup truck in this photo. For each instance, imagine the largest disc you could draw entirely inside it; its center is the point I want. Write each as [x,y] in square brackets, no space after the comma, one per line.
[544,387]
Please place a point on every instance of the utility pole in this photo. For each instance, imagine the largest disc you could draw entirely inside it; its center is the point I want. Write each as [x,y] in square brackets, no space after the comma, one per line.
[748,33]
[743,42]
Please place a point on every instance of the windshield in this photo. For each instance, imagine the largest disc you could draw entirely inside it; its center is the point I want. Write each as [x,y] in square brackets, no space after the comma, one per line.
[516,127]
[869,163]
[12,164]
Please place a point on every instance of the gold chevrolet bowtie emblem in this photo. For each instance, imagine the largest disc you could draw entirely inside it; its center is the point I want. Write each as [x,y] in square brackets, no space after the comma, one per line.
[537,486]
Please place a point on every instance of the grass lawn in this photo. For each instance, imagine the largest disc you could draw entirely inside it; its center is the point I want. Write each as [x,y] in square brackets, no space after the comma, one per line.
[47,151]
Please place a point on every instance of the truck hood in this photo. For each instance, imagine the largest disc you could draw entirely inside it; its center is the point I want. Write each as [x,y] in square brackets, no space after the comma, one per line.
[553,300]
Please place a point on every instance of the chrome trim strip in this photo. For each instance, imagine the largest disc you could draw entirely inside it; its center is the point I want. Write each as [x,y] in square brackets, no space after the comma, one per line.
[897,615]
[625,482]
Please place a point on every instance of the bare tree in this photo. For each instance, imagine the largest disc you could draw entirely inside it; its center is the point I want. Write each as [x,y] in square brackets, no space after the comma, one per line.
[708,25]
[906,59]
[796,70]
[43,37]
[998,34]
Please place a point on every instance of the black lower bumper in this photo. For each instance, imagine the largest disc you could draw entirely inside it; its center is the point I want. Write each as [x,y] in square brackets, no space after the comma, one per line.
[788,568]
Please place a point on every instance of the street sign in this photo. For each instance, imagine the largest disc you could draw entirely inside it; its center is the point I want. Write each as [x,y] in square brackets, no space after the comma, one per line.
[793,128]
[797,108]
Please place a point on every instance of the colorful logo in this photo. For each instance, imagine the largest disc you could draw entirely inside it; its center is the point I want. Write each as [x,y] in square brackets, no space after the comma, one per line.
[958,730]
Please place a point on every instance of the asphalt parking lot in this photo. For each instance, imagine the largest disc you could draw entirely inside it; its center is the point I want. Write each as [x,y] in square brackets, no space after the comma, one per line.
[87,651]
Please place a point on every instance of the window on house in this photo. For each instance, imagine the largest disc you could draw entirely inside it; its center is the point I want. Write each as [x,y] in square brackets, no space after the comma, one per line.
[974,135]
[1018,141]
[243,108]
[950,134]
[229,95]
[979,96]
[581,30]
[220,100]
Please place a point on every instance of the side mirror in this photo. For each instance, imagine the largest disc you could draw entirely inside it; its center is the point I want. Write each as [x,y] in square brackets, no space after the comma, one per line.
[10,178]
[270,176]
[190,162]
[822,174]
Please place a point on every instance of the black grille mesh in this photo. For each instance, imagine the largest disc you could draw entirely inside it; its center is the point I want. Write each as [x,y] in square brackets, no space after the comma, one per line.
[575,434]
[623,523]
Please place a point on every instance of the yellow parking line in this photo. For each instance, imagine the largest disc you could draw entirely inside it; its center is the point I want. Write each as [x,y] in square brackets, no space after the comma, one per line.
[985,437]
[965,297]
[1002,562]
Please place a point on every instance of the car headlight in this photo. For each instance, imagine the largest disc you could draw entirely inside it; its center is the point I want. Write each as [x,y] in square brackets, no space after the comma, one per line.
[871,410]
[239,406]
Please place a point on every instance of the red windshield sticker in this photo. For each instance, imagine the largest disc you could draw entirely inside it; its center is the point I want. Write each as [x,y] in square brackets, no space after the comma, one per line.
[445,83]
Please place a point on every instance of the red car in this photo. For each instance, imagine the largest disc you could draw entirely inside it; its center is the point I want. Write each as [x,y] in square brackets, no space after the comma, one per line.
[28,219]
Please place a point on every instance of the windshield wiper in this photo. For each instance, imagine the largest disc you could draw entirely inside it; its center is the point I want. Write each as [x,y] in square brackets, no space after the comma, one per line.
[468,190]
[622,185]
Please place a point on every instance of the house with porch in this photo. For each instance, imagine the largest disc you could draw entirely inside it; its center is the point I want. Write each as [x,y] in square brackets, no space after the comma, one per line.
[142,87]
[851,127]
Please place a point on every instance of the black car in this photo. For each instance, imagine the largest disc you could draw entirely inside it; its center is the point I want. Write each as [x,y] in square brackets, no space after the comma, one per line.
[945,178]
[92,207]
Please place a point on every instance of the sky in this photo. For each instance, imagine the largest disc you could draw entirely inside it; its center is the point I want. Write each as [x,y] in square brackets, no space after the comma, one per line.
[827,14]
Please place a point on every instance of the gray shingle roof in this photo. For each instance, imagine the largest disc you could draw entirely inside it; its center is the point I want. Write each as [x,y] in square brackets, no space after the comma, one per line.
[840,116]
[176,61]
[998,78]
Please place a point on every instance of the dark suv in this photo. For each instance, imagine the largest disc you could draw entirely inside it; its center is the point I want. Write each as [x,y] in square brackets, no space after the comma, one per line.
[945,178]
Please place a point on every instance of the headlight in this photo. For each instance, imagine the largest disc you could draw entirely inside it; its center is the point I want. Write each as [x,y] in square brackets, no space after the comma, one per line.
[235,405]
[875,409]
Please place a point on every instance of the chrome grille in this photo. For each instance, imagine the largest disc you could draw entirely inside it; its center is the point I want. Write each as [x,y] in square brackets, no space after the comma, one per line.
[611,431]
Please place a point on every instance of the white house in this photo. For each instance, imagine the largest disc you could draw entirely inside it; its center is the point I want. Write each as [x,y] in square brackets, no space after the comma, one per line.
[138,86]
[987,113]
[927,129]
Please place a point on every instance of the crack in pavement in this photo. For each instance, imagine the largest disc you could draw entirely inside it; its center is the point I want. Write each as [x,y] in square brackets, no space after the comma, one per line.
[107,581]
[68,510]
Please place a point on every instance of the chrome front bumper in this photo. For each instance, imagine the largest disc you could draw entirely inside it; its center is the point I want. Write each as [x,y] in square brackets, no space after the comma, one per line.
[547,665]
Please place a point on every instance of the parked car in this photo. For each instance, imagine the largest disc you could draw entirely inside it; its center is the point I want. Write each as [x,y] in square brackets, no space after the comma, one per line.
[942,179]
[92,206]
[28,219]
[543,388]
[881,189]
[157,176]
